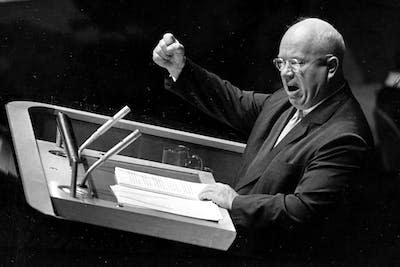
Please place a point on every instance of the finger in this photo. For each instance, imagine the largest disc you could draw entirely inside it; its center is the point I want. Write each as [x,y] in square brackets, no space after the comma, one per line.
[205,196]
[209,188]
[172,49]
[163,49]
[175,48]
[205,193]
[168,39]
[158,52]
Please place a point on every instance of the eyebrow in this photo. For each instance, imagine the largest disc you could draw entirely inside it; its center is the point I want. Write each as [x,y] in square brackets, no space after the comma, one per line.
[297,58]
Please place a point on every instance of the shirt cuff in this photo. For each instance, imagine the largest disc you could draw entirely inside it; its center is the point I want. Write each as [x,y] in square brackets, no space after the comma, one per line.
[173,78]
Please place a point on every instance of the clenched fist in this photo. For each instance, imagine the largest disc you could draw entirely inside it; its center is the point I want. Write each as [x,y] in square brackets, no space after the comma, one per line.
[170,54]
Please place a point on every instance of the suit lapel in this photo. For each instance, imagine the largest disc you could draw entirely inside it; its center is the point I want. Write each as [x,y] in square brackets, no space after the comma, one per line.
[257,166]
[296,133]
[277,129]
[266,154]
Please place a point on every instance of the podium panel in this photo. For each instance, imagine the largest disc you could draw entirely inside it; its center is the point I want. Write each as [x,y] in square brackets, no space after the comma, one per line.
[45,172]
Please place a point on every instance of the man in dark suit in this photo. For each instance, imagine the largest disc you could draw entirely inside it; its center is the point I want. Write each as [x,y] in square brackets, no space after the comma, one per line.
[308,140]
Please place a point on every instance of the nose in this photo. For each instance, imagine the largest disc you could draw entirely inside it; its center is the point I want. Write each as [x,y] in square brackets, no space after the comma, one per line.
[287,72]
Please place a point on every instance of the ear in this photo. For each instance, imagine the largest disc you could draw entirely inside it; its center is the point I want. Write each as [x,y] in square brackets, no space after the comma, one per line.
[333,64]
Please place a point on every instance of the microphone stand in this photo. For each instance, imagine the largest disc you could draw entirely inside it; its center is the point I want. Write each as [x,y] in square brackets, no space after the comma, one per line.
[68,137]
[74,154]
[113,151]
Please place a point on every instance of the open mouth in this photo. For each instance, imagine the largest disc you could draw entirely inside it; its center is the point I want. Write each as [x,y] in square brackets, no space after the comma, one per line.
[292,88]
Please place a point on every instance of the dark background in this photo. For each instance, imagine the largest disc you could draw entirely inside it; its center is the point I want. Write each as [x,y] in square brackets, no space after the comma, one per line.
[96,56]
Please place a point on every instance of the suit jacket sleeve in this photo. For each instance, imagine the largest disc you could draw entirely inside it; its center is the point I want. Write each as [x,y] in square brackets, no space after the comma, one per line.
[218,98]
[321,189]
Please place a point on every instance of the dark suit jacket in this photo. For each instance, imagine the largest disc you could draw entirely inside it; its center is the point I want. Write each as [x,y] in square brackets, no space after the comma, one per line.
[306,176]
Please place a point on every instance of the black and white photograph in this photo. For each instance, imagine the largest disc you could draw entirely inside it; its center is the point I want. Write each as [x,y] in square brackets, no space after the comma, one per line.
[199,133]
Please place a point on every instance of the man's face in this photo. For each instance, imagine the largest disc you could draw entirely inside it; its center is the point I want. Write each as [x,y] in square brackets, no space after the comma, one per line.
[306,86]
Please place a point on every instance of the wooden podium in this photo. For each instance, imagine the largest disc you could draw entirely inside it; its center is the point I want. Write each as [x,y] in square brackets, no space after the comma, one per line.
[45,171]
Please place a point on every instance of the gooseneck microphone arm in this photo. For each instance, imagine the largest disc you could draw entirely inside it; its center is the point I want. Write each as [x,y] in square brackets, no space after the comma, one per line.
[113,151]
[102,129]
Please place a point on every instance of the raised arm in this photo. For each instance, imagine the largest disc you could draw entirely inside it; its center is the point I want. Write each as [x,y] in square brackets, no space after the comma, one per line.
[205,90]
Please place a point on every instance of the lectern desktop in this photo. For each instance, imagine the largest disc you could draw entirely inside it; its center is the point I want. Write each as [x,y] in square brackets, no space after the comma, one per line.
[45,172]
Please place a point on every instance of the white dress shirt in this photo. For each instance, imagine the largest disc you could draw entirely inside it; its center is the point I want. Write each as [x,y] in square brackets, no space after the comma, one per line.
[297,117]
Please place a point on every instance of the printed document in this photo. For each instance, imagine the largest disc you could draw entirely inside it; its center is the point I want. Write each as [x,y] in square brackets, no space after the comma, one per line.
[162,193]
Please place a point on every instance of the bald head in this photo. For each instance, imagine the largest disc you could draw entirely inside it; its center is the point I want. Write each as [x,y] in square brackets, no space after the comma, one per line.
[316,38]
[320,49]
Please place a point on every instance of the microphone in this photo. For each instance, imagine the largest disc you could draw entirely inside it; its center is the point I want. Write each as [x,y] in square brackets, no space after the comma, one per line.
[102,129]
[114,150]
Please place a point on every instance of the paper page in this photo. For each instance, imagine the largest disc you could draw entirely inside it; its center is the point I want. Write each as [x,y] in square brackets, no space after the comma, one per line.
[205,210]
[158,184]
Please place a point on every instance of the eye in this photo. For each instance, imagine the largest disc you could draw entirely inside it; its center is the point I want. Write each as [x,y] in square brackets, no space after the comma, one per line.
[279,63]
[294,62]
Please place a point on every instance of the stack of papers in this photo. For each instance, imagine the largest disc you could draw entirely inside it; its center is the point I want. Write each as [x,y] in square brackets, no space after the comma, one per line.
[164,194]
